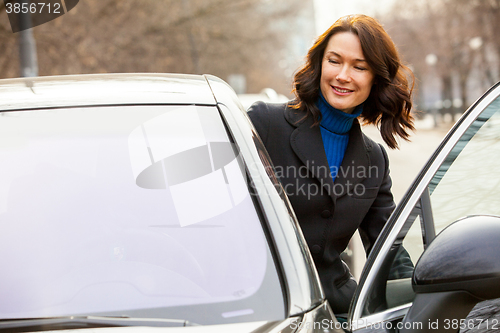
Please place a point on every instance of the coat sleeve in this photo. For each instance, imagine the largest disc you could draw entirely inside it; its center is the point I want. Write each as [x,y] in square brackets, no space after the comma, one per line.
[380,210]
[259,115]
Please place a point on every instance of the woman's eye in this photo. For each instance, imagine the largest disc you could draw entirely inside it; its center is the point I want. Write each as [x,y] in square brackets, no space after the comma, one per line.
[333,61]
[360,68]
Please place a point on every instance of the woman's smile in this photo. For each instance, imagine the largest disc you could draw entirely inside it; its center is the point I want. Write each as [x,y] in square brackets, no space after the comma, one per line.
[341,91]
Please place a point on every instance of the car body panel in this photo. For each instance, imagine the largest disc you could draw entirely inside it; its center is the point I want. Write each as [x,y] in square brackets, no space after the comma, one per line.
[296,260]
[320,319]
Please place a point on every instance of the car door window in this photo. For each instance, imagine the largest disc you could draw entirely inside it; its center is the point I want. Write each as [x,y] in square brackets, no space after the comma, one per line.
[466,183]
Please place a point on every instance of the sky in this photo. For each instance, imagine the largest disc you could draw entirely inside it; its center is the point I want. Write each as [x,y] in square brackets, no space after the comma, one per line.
[328,11]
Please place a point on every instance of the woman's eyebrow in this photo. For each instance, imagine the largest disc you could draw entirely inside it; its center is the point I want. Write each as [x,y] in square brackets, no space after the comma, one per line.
[338,55]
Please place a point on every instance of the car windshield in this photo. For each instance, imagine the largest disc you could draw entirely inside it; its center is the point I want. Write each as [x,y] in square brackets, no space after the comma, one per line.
[140,211]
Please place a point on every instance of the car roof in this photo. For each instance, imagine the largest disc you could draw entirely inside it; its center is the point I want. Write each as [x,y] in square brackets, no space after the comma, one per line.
[104,89]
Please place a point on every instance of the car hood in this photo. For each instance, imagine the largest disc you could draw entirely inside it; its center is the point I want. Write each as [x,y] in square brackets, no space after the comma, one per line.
[254,327]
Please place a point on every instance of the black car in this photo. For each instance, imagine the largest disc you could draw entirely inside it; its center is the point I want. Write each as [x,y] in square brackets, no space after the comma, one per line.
[147,202]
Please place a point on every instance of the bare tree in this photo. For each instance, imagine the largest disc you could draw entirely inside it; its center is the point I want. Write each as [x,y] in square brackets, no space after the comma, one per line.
[459,34]
[9,51]
[217,37]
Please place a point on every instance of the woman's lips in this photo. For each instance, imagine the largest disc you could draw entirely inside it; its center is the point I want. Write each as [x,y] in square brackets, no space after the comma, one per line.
[341,91]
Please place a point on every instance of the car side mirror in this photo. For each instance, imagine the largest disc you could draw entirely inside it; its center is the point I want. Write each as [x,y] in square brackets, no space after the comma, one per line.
[460,268]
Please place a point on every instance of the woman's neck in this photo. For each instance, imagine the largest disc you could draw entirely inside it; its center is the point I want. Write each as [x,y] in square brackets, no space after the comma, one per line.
[335,120]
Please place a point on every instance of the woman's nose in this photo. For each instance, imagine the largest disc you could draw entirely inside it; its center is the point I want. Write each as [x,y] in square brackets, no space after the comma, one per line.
[344,74]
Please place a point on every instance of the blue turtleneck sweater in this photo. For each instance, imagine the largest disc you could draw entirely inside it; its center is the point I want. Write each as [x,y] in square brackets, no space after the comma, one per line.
[335,126]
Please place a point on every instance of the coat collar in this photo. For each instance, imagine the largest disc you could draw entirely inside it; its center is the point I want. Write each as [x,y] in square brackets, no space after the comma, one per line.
[307,143]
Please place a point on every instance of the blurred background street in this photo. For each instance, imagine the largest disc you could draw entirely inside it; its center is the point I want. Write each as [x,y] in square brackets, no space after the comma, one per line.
[451,45]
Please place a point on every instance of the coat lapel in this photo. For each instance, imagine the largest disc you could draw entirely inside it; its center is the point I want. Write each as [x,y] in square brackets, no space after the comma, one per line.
[307,143]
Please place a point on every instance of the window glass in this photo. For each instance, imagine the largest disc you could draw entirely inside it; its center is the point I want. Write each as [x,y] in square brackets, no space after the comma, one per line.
[413,242]
[468,181]
[392,286]
[141,211]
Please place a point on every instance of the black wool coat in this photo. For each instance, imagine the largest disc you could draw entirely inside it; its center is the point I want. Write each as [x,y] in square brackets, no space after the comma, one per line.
[329,211]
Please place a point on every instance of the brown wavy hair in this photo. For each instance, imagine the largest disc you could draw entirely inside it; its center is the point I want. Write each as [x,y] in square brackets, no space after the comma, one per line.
[390,101]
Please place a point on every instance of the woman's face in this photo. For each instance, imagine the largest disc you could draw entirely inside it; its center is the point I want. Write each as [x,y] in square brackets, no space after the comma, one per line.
[346,78]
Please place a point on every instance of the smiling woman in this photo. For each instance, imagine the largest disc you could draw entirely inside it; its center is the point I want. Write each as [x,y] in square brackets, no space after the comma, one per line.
[353,70]
[346,77]
[370,48]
